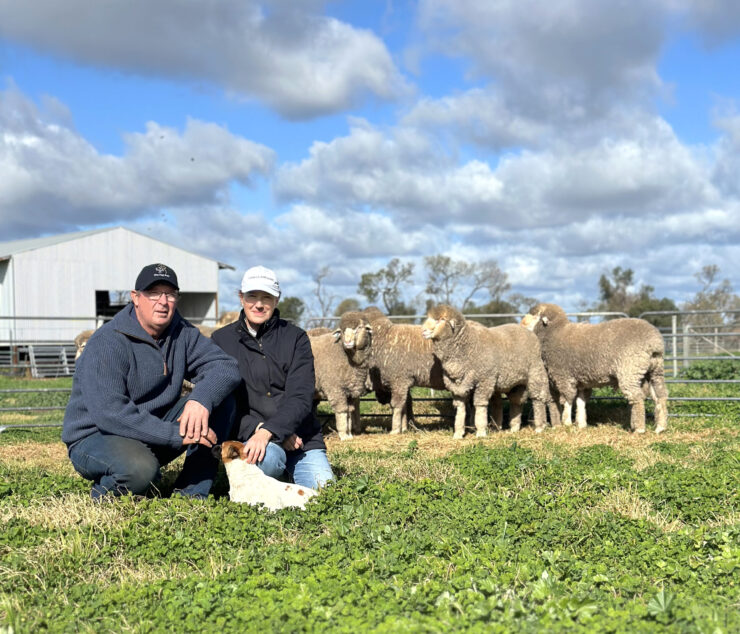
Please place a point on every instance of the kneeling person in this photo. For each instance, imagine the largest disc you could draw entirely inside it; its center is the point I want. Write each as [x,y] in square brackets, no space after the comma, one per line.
[275,417]
[126,418]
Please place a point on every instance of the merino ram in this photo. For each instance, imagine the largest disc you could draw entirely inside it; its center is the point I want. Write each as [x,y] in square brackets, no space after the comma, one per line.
[484,362]
[341,376]
[399,359]
[625,353]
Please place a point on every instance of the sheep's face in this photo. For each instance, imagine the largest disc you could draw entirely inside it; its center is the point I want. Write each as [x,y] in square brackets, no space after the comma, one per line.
[530,321]
[354,332]
[80,348]
[81,341]
[542,316]
[438,329]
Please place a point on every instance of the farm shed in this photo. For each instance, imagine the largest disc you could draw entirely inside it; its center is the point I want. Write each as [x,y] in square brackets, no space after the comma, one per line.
[54,287]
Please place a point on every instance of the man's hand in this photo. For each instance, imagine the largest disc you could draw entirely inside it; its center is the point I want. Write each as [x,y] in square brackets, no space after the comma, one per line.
[194,425]
[255,447]
[292,442]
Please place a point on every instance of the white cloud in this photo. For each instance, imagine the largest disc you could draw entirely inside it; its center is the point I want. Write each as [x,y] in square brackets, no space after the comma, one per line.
[285,54]
[407,174]
[53,179]
[552,60]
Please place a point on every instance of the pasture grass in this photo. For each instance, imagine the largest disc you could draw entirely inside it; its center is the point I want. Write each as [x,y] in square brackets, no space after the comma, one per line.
[591,530]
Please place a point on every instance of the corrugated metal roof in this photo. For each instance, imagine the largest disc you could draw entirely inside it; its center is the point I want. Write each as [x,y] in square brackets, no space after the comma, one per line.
[9,249]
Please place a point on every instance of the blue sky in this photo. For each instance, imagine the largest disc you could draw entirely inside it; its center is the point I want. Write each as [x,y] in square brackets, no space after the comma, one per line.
[560,139]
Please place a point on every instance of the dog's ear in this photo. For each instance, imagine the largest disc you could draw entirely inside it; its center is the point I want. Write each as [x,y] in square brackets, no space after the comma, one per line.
[231,450]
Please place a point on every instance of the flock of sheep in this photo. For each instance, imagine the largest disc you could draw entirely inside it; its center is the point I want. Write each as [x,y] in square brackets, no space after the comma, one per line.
[547,358]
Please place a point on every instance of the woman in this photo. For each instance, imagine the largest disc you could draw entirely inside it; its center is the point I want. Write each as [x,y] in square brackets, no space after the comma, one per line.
[274,417]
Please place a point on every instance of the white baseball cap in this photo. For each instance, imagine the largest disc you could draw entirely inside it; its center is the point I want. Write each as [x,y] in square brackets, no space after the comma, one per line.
[260,278]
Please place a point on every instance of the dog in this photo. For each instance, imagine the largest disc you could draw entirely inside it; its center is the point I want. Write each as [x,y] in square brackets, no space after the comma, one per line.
[248,484]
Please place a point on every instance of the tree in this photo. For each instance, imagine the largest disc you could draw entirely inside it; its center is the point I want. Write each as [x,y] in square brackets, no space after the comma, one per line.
[346,305]
[616,295]
[645,302]
[443,277]
[455,282]
[386,285]
[324,299]
[714,295]
[495,306]
[292,309]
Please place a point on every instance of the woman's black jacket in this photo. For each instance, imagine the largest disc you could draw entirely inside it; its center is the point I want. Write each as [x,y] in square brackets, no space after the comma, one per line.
[277,380]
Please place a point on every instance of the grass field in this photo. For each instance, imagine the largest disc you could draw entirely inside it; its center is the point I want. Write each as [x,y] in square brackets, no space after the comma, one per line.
[594,531]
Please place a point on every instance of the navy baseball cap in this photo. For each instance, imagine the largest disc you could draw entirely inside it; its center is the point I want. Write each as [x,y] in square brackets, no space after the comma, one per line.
[155,274]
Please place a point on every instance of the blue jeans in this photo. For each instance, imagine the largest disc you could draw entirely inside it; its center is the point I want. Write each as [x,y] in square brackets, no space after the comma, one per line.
[307,468]
[118,465]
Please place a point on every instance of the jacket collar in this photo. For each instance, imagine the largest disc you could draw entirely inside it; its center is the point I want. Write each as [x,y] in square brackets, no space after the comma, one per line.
[269,325]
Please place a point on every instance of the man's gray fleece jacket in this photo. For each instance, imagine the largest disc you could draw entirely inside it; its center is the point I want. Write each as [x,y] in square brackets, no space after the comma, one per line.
[124,382]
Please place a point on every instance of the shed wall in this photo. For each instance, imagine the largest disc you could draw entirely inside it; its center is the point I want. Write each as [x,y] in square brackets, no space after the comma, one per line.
[60,280]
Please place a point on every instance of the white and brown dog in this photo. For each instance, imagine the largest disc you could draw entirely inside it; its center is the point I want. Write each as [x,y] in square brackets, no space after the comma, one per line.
[248,484]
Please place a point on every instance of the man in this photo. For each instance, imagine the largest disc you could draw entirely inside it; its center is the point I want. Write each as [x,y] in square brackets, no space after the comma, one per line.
[126,418]
[274,402]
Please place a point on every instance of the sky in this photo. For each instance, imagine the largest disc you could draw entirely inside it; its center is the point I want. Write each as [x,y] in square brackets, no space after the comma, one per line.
[560,139]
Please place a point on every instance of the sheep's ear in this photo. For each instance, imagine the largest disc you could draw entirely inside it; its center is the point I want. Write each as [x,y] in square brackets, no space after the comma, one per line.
[453,324]
[337,334]
[544,320]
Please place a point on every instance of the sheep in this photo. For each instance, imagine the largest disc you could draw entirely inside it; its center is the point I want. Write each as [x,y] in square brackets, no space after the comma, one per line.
[319,330]
[483,362]
[340,376]
[81,341]
[226,318]
[248,484]
[399,358]
[626,353]
[229,317]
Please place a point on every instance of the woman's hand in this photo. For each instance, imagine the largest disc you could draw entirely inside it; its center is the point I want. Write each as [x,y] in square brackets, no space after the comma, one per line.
[255,447]
[292,442]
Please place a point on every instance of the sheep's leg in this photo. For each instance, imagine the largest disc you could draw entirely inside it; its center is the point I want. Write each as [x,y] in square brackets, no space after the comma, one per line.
[554,410]
[659,394]
[408,414]
[553,407]
[566,418]
[540,416]
[481,420]
[356,425]
[399,401]
[343,425]
[480,402]
[581,410]
[633,392]
[460,413]
[637,416]
[498,410]
[515,410]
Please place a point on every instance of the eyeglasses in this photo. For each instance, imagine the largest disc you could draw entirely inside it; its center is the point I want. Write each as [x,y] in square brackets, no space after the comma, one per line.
[250,298]
[154,296]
